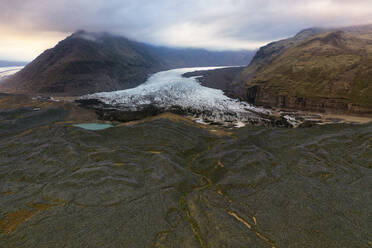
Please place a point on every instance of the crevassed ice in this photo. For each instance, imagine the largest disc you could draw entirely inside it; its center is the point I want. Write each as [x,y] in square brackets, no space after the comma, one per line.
[169,88]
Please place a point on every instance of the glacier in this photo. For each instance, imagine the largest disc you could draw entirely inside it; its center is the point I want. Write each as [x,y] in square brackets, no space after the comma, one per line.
[8,71]
[169,89]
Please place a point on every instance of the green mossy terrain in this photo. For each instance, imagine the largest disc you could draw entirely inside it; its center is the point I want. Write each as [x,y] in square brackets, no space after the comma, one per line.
[328,64]
[167,183]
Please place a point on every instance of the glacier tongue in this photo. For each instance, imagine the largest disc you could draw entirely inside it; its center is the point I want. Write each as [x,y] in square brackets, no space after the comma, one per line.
[169,89]
[8,71]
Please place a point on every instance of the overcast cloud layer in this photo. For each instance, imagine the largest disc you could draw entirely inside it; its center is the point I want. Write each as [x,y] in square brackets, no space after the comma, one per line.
[30,26]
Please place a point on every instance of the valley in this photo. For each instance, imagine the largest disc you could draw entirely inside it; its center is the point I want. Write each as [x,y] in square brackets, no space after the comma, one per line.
[110,142]
[167,181]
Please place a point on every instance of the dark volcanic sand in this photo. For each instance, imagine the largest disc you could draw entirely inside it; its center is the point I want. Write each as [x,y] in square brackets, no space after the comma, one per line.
[168,183]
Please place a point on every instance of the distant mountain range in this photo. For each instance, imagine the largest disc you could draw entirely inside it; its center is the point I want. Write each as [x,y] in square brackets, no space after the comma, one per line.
[318,69]
[4,63]
[94,62]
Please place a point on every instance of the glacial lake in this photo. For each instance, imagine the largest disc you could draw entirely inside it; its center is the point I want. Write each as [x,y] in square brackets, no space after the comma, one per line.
[94,126]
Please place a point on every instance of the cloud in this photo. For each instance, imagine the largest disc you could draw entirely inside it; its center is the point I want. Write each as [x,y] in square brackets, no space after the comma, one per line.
[19,45]
[222,24]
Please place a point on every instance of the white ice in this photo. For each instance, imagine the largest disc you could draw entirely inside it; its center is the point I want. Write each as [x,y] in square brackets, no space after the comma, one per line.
[169,88]
[8,71]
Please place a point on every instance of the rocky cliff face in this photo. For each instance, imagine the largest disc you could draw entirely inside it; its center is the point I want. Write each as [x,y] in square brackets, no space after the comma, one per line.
[321,104]
[94,62]
[317,70]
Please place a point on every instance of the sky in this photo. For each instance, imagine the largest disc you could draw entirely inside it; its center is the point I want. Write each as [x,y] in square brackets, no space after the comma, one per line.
[28,27]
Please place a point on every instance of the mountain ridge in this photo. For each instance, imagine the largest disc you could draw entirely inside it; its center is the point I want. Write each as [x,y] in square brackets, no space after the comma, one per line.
[316,70]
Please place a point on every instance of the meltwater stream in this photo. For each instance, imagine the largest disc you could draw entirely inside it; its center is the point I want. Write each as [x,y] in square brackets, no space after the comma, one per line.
[169,89]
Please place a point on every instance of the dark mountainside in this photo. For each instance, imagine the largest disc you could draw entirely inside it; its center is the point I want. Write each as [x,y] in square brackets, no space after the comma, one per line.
[318,70]
[87,62]
[169,182]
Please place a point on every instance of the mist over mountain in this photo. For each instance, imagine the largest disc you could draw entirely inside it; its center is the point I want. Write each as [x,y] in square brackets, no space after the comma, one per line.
[92,62]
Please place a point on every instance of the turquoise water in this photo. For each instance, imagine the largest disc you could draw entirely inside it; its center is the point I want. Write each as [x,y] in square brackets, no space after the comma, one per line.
[94,126]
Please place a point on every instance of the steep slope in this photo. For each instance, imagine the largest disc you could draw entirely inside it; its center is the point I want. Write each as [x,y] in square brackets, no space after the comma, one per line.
[318,69]
[87,63]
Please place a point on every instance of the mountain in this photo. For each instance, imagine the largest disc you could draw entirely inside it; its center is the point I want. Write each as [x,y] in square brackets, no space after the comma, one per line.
[86,63]
[5,63]
[318,70]
[191,57]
